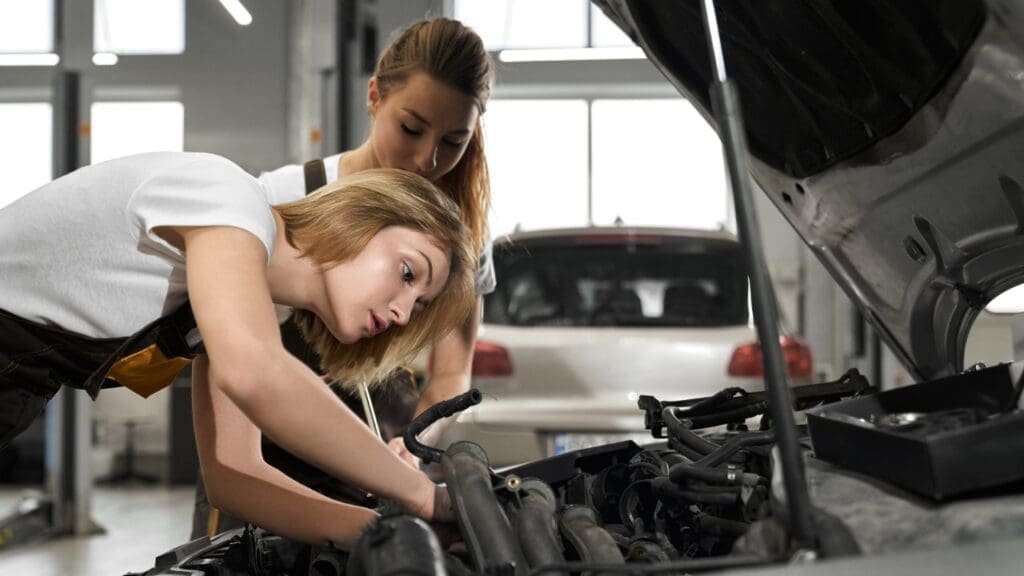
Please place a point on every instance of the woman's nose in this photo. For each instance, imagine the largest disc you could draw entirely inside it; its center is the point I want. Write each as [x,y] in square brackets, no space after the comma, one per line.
[426,159]
[401,309]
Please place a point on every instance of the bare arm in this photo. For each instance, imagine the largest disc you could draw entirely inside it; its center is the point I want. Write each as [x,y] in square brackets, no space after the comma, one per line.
[240,482]
[452,371]
[275,391]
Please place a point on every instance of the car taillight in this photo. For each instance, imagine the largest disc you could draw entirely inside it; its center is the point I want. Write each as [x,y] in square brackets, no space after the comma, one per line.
[490,359]
[746,359]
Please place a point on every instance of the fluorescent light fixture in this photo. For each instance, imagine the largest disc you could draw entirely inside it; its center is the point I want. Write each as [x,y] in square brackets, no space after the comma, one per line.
[29,59]
[557,54]
[237,11]
[1009,302]
[104,59]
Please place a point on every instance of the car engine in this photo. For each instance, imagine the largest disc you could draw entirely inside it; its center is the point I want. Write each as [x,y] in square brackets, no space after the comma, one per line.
[703,495]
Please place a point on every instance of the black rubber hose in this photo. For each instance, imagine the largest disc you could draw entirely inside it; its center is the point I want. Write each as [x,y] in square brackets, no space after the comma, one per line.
[433,414]
[681,430]
[536,525]
[395,546]
[683,472]
[685,451]
[667,490]
[735,415]
[490,539]
[716,526]
[580,526]
[735,444]
[716,400]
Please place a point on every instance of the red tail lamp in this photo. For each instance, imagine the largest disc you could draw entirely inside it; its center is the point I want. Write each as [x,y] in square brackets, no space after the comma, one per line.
[746,359]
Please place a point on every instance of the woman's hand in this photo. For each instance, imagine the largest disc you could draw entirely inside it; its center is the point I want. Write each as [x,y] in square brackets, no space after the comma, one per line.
[397,445]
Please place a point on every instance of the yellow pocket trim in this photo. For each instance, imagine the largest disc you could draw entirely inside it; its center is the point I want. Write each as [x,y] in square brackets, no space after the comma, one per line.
[147,371]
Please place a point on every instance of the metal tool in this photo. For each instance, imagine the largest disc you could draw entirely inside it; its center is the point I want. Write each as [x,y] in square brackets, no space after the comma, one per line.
[371,415]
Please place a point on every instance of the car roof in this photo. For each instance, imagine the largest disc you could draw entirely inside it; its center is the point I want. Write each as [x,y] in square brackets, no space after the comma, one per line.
[625,231]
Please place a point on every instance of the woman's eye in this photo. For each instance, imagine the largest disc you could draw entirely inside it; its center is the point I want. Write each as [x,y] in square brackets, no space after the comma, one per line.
[452,143]
[408,276]
[408,130]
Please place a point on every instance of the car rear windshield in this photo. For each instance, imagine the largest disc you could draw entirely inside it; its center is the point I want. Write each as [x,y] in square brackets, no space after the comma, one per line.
[650,281]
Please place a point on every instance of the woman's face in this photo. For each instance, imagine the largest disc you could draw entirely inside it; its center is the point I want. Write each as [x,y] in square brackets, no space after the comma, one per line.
[422,126]
[397,274]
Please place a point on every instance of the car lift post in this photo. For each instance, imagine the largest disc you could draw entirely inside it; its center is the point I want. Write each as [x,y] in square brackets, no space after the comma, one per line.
[725,106]
[65,508]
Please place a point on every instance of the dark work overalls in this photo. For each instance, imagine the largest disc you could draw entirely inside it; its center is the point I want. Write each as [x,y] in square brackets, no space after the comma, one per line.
[36,360]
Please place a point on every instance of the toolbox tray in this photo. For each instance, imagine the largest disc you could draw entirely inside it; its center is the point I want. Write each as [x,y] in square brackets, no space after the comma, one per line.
[939,464]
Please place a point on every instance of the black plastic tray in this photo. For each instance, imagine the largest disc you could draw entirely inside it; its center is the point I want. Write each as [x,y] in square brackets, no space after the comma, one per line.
[939,464]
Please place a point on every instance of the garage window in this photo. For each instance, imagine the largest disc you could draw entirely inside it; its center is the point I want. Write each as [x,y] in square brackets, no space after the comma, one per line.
[26,26]
[134,27]
[656,163]
[526,23]
[26,147]
[638,162]
[125,128]
[537,155]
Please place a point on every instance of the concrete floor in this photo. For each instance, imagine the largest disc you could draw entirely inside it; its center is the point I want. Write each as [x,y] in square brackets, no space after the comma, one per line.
[141,522]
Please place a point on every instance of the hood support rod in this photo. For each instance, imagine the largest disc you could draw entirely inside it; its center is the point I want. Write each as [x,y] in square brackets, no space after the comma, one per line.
[725,106]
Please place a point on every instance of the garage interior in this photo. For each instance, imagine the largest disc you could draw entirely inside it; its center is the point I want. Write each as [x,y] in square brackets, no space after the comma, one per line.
[289,85]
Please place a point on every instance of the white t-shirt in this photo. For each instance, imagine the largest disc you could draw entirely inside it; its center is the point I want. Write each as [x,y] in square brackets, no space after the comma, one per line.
[288,183]
[80,254]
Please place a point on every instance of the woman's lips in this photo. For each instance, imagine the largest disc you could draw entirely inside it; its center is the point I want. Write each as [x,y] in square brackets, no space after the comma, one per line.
[377,325]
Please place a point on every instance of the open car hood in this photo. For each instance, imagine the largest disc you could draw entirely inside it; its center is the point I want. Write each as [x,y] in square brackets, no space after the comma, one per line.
[889,133]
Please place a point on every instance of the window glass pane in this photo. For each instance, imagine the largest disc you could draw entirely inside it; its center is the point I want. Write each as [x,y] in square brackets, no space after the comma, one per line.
[26,26]
[125,128]
[537,156]
[655,281]
[526,23]
[656,163]
[26,147]
[139,26]
[604,32]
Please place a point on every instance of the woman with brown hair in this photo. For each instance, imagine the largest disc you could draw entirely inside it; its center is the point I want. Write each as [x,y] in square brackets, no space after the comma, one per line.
[425,99]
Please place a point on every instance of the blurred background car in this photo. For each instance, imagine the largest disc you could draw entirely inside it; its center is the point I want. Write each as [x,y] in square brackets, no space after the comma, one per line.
[585,320]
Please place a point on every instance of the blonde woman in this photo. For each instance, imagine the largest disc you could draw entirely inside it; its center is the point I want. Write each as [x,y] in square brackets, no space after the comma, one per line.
[122,272]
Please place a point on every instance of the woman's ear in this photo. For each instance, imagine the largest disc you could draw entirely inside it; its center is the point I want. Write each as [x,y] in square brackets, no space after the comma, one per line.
[372,96]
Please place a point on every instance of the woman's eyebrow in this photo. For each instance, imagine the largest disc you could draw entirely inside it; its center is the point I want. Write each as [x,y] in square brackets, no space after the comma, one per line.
[416,115]
[430,267]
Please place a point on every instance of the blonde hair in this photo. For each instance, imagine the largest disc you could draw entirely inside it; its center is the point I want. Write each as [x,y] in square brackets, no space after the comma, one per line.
[334,224]
[452,54]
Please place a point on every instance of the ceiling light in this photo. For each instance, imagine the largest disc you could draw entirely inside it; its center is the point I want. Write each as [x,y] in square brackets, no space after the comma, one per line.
[104,58]
[237,11]
[29,59]
[557,54]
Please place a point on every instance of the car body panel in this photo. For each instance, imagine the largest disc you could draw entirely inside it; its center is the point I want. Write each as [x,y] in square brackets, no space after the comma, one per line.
[919,221]
[616,363]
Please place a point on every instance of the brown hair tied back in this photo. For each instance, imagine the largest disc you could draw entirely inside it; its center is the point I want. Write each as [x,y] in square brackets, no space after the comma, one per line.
[454,55]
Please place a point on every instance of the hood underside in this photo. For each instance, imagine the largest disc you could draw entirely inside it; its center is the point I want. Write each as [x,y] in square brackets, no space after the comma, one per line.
[888,133]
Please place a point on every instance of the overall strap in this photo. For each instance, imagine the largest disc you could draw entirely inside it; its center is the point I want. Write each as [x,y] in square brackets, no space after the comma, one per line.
[315,174]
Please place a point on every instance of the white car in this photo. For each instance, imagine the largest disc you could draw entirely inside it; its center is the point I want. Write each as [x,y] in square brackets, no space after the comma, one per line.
[585,320]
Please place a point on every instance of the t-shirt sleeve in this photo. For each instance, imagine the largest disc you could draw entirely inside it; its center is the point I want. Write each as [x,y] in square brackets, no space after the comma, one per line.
[486,280]
[283,185]
[204,190]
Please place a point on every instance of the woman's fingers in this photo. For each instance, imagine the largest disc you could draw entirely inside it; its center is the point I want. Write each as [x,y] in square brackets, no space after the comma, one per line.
[397,445]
